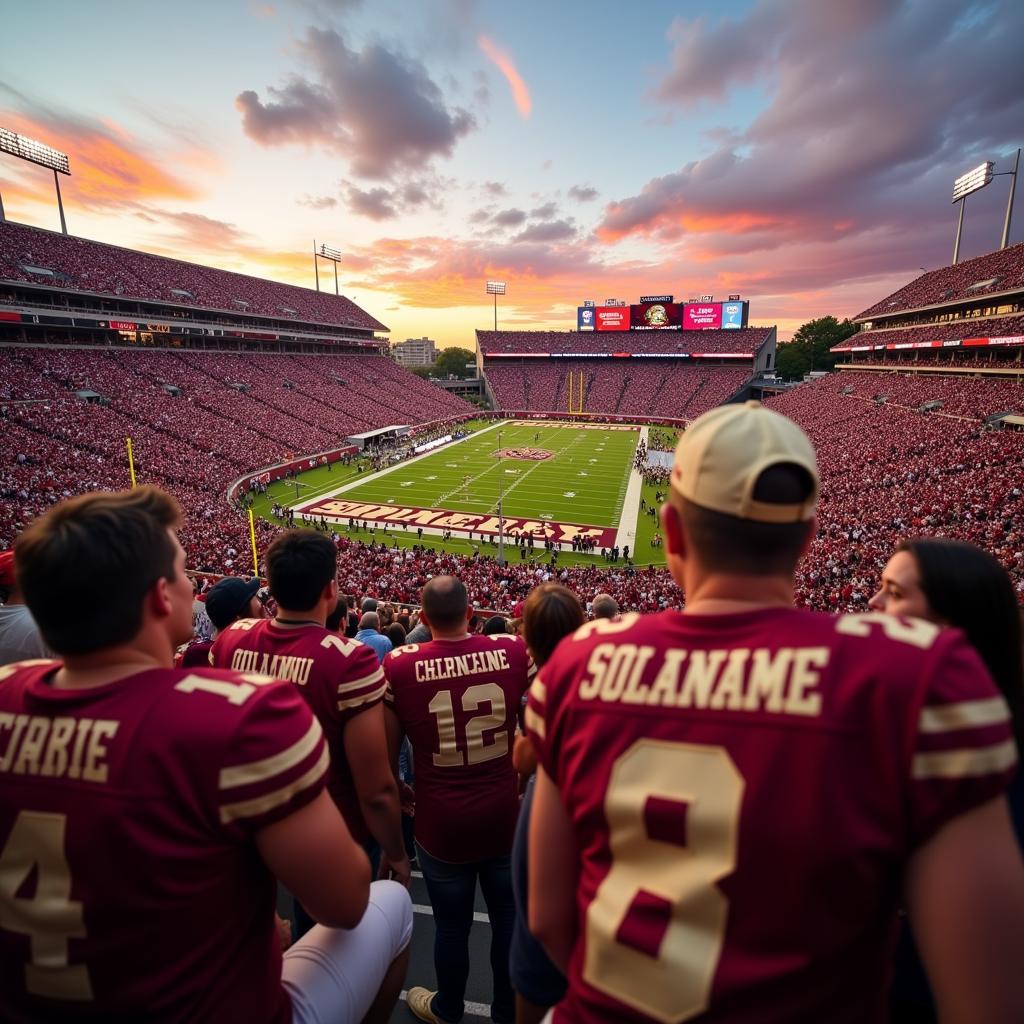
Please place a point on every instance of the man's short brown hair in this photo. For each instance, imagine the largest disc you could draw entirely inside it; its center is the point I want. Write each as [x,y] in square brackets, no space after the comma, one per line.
[86,565]
[445,602]
[749,547]
[300,563]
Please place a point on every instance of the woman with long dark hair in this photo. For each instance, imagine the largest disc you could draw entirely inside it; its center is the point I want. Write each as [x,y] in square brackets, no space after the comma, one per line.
[952,583]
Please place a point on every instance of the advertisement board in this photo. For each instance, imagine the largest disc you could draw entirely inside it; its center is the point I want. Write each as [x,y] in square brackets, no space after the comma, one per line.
[656,316]
[699,316]
[611,318]
[734,314]
[584,318]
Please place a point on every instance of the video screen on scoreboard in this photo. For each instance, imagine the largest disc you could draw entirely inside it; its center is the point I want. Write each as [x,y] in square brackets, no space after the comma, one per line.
[611,318]
[656,316]
[699,316]
[584,318]
[734,315]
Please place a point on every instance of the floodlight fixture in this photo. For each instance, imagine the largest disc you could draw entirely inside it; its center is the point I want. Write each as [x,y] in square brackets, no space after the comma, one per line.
[38,153]
[973,180]
[327,252]
[495,288]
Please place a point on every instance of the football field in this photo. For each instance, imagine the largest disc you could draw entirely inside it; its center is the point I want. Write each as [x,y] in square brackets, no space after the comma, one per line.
[553,481]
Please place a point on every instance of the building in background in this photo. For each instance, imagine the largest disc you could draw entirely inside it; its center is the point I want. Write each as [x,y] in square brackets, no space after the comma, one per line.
[414,352]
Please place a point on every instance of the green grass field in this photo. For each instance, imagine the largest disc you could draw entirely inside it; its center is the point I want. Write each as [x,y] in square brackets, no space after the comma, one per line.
[584,482]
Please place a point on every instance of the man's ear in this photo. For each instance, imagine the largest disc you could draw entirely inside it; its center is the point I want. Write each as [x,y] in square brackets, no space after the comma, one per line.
[469,612]
[672,526]
[158,600]
[330,595]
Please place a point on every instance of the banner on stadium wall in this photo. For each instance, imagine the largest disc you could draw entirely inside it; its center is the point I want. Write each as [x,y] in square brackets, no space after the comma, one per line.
[702,315]
[656,316]
[611,318]
[584,318]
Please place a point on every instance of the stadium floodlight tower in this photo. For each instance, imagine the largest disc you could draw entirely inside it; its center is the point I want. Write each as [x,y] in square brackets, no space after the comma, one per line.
[495,288]
[36,153]
[326,252]
[975,180]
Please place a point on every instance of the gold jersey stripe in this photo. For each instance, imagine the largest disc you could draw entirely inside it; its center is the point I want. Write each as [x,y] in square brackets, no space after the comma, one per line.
[354,702]
[358,684]
[538,690]
[534,722]
[261,804]
[958,764]
[260,771]
[968,714]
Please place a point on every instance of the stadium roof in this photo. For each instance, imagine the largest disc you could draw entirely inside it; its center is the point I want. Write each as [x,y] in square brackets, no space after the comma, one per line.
[80,264]
[996,273]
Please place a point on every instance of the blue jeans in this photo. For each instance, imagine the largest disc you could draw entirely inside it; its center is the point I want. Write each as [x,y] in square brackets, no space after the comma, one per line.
[452,889]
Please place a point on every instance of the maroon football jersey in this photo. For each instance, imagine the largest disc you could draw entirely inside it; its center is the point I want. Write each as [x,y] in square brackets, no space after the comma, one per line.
[457,701]
[338,678]
[745,791]
[130,885]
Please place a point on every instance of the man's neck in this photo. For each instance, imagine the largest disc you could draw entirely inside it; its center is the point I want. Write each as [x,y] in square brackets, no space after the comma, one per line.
[312,617]
[451,634]
[86,671]
[730,595]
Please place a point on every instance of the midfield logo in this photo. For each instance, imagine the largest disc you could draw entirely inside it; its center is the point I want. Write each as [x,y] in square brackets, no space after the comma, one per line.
[530,454]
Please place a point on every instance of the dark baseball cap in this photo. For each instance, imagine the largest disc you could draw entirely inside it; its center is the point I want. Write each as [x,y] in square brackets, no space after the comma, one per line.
[228,598]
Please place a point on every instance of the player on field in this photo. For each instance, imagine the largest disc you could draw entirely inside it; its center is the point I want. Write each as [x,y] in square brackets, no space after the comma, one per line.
[340,679]
[456,698]
[734,802]
[145,810]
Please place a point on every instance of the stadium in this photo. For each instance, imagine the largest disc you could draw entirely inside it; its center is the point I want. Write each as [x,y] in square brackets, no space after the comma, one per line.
[263,406]
[235,390]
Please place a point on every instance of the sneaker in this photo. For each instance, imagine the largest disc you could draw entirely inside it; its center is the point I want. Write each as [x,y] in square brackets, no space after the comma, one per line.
[420,1001]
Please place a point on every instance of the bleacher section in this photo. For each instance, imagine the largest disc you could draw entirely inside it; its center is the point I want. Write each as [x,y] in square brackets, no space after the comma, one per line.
[79,265]
[745,341]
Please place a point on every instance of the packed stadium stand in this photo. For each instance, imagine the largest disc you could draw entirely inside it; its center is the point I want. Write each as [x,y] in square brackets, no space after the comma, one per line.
[747,341]
[79,265]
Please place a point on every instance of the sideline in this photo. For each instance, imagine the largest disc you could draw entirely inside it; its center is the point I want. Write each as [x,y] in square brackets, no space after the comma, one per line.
[626,534]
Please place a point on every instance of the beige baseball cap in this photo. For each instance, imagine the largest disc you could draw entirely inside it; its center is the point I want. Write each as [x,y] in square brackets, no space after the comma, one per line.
[723,453]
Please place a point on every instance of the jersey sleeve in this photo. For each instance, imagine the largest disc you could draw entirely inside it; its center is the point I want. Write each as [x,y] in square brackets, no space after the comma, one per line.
[362,683]
[275,762]
[964,751]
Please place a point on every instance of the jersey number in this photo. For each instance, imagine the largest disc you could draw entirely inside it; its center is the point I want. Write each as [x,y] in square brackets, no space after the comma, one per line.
[656,925]
[450,754]
[50,917]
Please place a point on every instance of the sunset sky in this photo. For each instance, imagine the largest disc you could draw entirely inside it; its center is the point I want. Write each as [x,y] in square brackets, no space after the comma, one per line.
[799,152]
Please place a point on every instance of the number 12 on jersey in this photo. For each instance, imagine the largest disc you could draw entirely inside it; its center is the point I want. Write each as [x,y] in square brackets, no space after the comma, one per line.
[656,925]
[474,748]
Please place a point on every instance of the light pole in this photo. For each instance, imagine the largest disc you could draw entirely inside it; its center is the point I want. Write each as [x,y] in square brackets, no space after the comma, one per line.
[328,253]
[495,288]
[974,180]
[36,153]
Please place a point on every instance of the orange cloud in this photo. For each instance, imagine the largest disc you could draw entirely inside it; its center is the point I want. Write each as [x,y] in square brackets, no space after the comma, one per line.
[108,166]
[504,63]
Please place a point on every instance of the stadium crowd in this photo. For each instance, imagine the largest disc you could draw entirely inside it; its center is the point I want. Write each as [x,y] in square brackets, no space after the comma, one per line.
[745,339]
[994,273]
[79,264]
[203,789]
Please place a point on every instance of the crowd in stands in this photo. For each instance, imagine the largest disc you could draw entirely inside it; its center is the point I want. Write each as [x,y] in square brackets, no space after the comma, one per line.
[950,330]
[997,359]
[626,388]
[83,265]
[967,280]
[194,444]
[746,339]
[888,471]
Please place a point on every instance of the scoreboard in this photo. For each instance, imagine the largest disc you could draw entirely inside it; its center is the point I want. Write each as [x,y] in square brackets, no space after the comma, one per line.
[661,313]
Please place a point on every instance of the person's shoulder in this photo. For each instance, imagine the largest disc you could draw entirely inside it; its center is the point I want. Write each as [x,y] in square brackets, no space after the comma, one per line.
[19,674]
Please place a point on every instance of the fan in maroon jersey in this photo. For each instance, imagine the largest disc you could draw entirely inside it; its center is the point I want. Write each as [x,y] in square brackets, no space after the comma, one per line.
[339,679]
[145,810]
[457,698]
[753,790]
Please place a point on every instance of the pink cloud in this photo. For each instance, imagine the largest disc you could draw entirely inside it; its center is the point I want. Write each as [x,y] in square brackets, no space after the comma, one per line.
[504,63]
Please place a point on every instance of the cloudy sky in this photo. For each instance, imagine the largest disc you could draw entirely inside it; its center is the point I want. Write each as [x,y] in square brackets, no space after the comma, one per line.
[800,152]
